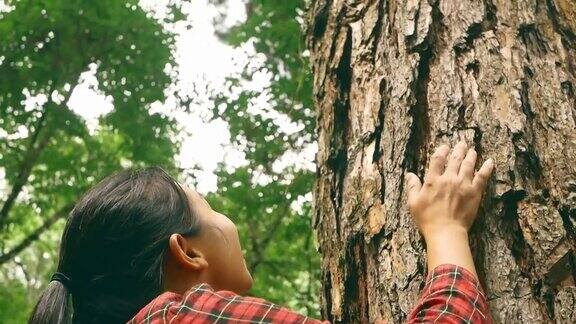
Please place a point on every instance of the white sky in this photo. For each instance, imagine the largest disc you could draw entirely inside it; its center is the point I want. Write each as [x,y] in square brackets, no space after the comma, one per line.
[203,63]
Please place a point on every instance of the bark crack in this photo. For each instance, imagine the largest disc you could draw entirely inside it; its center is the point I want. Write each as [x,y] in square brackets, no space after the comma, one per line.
[327,296]
[379,128]
[569,222]
[419,137]
[377,31]
[475,30]
[420,128]
[568,36]
[527,160]
[512,231]
[376,157]
[320,22]
[534,41]
[356,292]
[338,160]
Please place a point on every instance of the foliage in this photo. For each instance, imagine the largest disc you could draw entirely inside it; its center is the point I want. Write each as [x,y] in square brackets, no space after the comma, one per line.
[50,151]
[13,302]
[261,196]
[47,152]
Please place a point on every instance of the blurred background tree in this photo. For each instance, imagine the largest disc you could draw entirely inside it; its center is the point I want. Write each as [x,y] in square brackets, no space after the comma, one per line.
[48,156]
[124,51]
[270,197]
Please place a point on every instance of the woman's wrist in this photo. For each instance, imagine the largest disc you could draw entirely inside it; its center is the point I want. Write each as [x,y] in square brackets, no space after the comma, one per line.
[440,233]
[449,245]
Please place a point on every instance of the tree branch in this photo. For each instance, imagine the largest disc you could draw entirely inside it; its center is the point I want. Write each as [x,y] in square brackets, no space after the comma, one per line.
[31,156]
[260,246]
[32,153]
[32,237]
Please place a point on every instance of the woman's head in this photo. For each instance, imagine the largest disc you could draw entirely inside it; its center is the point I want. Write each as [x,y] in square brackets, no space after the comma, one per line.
[134,235]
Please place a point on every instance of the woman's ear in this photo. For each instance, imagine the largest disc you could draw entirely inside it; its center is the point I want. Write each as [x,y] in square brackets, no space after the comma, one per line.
[185,255]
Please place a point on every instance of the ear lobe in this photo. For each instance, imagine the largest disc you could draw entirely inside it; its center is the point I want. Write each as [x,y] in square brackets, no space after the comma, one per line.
[185,255]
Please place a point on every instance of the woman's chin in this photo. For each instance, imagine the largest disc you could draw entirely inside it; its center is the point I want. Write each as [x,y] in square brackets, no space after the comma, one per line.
[248,282]
[251,281]
[244,283]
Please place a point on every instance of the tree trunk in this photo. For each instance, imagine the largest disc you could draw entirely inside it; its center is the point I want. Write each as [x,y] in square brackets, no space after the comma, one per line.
[395,78]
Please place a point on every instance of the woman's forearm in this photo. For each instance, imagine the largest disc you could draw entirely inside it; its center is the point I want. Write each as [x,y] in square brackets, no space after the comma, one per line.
[450,246]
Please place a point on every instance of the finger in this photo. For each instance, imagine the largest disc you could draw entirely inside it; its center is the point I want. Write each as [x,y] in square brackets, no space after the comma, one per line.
[467,166]
[437,162]
[413,186]
[456,158]
[482,176]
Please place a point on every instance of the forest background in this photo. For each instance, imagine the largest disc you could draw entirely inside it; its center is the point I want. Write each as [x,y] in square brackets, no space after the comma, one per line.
[218,92]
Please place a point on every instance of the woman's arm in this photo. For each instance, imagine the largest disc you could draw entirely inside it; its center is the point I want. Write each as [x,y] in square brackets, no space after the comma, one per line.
[444,208]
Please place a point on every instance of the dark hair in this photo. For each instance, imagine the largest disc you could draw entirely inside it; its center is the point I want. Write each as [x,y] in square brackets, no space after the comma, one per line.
[113,248]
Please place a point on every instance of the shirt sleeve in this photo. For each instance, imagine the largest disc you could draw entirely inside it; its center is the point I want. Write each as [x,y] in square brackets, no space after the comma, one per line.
[202,304]
[451,295]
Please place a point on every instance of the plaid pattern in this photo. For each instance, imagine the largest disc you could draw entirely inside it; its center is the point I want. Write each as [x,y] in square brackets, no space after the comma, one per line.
[451,295]
[201,304]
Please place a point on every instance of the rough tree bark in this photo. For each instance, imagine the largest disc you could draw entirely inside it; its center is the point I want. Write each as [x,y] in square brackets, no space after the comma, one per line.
[395,78]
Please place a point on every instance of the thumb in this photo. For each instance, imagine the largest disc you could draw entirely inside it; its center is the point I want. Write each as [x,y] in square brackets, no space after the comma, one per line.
[413,185]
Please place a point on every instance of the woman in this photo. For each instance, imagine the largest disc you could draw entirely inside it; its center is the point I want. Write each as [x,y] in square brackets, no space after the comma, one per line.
[140,247]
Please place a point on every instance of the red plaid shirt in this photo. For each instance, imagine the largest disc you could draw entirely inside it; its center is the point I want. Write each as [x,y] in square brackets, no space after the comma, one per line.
[451,295]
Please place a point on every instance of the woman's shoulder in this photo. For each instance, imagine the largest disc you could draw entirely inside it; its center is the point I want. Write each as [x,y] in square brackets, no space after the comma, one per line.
[202,304]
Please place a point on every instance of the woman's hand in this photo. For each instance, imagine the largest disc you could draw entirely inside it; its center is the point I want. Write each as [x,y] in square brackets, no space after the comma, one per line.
[445,206]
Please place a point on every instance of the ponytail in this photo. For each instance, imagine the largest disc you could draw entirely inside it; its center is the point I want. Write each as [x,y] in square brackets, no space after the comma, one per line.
[112,249]
[53,307]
